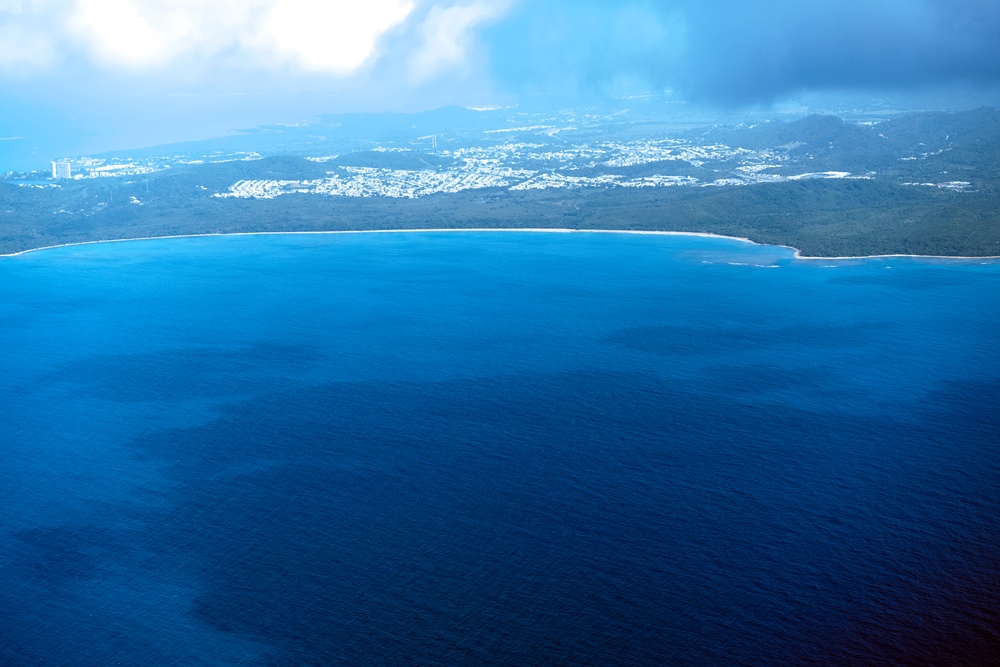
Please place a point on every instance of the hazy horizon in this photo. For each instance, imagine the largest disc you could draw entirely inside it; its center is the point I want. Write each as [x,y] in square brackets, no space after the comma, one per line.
[84,76]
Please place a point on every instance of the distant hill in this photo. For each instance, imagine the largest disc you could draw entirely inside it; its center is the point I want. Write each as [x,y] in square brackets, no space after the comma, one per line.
[933,142]
[939,129]
[390,160]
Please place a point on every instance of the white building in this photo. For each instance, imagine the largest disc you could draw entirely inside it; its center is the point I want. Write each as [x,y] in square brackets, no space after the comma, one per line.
[61,169]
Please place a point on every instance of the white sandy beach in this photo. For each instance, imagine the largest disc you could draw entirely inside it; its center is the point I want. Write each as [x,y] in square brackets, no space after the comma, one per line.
[797,253]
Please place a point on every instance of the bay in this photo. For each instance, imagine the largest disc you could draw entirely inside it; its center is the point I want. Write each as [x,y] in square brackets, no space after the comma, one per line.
[496,448]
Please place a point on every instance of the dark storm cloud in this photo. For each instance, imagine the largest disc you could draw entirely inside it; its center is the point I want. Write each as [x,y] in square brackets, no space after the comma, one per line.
[737,52]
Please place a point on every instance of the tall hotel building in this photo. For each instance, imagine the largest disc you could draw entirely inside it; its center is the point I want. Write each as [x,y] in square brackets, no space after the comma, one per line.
[61,169]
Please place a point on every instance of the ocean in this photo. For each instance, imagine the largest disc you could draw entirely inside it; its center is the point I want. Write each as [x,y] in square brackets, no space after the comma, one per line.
[496,449]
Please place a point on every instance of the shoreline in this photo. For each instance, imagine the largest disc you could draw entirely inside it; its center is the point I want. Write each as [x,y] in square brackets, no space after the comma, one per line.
[557,230]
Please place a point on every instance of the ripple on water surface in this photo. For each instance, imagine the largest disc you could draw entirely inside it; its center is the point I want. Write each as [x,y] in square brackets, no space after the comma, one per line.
[462,448]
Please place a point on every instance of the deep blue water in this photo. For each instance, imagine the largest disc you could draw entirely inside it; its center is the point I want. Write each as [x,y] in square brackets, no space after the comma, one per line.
[496,449]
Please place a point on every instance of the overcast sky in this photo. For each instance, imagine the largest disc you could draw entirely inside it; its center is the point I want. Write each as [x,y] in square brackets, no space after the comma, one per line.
[128,72]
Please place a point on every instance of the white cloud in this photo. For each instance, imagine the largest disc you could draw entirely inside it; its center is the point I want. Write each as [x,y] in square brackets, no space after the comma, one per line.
[23,51]
[379,51]
[119,33]
[335,37]
[445,36]
[26,45]
[14,6]
[326,36]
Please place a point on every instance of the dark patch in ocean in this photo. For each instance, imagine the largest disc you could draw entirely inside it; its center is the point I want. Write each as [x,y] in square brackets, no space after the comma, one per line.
[53,555]
[178,375]
[584,518]
[971,405]
[758,379]
[944,611]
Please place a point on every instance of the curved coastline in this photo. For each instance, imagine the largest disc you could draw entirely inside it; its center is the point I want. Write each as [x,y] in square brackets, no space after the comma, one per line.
[558,230]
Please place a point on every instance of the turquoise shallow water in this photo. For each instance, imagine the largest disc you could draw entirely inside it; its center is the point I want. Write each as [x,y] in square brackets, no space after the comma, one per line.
[486,448]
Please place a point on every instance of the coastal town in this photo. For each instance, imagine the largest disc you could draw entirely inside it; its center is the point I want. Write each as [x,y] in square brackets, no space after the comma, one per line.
[86,167]
[514,151]
[534,166]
